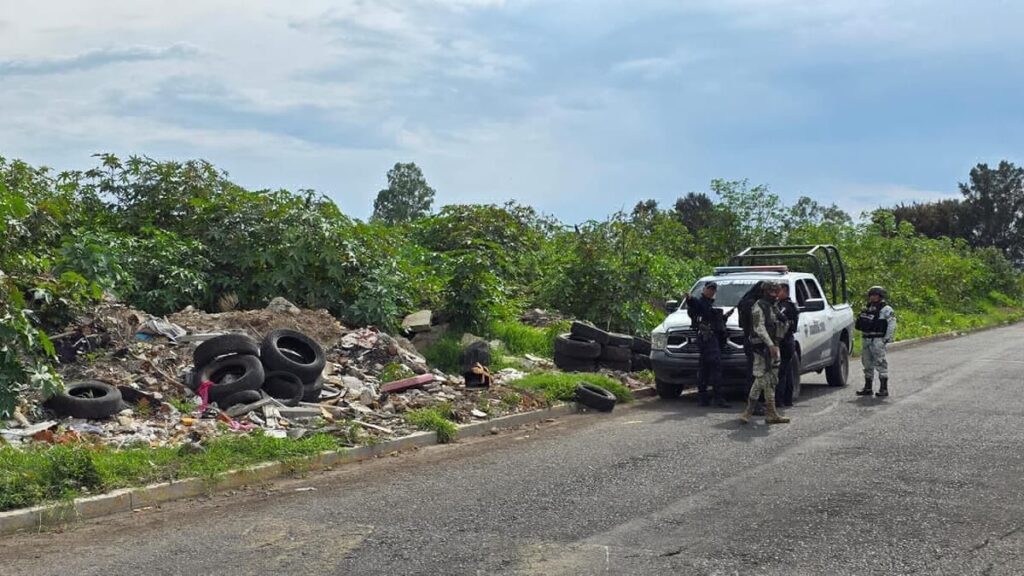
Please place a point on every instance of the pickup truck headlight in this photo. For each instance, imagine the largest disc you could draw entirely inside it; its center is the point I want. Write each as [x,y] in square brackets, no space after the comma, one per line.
[659,340]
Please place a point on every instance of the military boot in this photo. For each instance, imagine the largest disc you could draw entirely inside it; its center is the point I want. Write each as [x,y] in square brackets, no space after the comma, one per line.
[866,391]
[883,388]
[773,416]
[745,417]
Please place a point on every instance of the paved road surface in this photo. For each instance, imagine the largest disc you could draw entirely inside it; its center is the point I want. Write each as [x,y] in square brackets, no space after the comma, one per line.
[930,481]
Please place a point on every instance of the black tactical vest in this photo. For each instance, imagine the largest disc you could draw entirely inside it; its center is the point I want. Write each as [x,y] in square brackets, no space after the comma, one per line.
[870,321]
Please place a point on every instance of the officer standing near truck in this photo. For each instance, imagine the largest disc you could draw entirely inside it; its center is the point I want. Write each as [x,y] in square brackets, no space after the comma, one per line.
[787,347]
[877,323]
[765,335]
[710,325]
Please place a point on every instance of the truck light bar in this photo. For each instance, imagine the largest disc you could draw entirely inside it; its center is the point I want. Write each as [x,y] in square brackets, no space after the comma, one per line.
[740,269]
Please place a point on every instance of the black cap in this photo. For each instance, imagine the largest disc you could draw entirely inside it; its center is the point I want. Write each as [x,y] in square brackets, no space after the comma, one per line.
[711,284]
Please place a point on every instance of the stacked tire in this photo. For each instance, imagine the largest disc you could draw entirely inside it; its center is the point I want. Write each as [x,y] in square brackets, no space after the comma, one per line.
[287,365]
[587,347]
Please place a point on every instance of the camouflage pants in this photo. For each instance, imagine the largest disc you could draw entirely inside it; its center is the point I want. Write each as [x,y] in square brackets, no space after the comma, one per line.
[872,357]
[766,376]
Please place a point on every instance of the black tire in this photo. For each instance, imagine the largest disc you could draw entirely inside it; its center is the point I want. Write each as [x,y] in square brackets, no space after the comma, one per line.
[568,346]
[243,397]
[616,354]
[640,362]
[667,390]
[567,364]
[223,345]
[475,353]
[641,346]
[595,397]
[311,392]
[230,375]
[89,399]
[838,374]
[290,351]
[285,387]
[616,339]
[588,332]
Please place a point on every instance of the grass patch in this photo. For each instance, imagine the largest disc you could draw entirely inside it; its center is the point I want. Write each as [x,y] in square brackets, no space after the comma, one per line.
[444,354]
[436,419]
[522,339]
[561,386]
[35,475]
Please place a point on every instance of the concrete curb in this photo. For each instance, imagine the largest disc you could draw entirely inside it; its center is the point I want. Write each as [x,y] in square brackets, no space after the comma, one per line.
[127,500]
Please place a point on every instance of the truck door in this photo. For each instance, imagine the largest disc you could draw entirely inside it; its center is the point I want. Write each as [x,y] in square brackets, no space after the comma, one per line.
[816,349]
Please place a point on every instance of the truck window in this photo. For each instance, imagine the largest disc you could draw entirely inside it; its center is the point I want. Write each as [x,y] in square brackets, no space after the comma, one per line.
[813,290]
[729,291]
[801,293]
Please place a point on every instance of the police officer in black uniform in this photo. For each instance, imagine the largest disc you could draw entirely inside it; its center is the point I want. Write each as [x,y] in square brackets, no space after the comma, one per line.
[787,347]
[710,324]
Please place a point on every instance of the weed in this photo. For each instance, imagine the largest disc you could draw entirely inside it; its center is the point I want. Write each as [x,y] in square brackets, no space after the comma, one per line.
[444,354]
[395,371]
[435,418]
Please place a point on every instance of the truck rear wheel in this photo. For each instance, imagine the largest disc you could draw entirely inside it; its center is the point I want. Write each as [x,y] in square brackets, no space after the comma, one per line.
[838,373]
[666,390]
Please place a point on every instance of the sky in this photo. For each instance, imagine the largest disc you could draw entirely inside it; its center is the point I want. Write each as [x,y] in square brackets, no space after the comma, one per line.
[577,107]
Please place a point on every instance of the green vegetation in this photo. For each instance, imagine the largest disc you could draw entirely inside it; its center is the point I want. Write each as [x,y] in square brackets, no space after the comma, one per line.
[164,235]
[436,419]
[558,386]
[46,473]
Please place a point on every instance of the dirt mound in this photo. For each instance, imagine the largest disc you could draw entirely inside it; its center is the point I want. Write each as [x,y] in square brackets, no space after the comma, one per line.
[317,324]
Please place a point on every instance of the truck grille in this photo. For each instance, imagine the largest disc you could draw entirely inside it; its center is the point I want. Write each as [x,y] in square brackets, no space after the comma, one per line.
[684,341]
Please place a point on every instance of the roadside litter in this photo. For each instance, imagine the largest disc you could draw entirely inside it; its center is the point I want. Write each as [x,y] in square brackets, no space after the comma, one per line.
[586,348]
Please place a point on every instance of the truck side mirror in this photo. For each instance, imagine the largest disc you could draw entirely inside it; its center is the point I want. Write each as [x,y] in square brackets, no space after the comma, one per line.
[671,306]
[813,305]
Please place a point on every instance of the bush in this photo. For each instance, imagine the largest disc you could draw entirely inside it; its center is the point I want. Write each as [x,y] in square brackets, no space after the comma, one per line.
[436,419]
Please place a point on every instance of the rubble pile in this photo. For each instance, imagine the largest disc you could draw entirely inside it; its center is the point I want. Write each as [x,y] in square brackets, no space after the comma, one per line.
[144,380]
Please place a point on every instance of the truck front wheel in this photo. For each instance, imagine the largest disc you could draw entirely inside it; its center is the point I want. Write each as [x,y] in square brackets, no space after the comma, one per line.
[839,371]
[667,390]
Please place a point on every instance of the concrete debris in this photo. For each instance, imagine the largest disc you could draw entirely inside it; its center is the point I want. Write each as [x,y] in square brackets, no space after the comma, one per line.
[280,304]
[418,321]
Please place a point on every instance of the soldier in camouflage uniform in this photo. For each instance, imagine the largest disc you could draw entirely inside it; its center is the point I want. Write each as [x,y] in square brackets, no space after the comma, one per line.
[877,323]
[768,329]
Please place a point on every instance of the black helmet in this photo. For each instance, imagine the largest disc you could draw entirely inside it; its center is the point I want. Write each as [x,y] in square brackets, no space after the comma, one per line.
[878,290]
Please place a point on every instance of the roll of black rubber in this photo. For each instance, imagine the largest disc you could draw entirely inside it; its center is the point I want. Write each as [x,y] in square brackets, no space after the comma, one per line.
[569,346]
[589,332]
[311,392]
[285,387]
[231,374]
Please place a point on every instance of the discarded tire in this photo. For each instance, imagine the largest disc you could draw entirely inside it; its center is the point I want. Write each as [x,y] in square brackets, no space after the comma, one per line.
[311,392]
[569,346]
[475,353]
[616,354]
[224,345]
[616,339]
[588,332]
[641,346]
[243,397]
[568,364]
[284,387]
[595,397]
[88,399]
[291,351]
[231,374]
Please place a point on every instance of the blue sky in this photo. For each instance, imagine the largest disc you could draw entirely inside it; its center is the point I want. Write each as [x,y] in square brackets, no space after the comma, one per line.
[579,108]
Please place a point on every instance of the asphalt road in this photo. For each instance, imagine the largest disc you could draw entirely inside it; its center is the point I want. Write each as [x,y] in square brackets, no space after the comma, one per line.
[929,481]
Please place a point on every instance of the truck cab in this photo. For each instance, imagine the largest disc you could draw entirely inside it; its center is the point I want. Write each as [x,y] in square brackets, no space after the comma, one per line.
[824,334]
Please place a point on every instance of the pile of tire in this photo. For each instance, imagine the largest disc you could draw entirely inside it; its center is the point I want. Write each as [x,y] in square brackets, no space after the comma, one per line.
[286,365]
[587,347]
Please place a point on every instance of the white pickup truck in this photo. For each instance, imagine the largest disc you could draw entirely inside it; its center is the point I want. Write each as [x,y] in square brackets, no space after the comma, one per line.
[824,336]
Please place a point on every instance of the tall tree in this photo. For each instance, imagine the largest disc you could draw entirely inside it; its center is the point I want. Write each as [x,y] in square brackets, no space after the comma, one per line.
[809,212]
[935,219]
[995,207]
[696,211]
[407,197]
